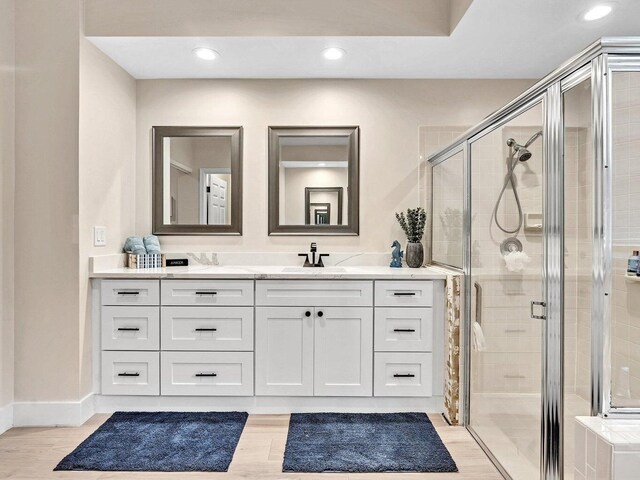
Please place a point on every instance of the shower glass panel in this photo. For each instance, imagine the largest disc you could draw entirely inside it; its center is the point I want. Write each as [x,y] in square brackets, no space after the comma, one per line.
[448,198]
[578,246]
[506,267]
[625,172]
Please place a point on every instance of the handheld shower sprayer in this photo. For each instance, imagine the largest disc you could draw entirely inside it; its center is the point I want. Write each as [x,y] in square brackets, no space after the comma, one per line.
[517,153]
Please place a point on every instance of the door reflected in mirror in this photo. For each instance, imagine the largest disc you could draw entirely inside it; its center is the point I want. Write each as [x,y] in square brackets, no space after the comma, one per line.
[314,171]
[199,190]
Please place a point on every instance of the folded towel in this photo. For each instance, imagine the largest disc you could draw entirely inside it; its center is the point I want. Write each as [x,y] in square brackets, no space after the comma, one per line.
[135,245]
[152,244]
[479,342]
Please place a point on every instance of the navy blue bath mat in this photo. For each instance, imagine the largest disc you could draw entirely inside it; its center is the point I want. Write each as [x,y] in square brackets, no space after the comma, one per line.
[365,442]
[160,442]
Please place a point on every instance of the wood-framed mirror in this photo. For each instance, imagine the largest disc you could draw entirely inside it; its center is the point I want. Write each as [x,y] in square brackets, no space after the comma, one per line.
[314,180]
[197,180]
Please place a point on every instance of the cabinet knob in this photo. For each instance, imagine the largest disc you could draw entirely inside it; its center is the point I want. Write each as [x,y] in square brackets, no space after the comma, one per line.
[307,313]
[320,314]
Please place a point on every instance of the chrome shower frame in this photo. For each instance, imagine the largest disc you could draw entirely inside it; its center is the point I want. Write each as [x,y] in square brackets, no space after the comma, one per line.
[598,62]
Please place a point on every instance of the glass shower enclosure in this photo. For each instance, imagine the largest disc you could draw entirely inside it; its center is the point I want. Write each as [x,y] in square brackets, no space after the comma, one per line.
[541,226]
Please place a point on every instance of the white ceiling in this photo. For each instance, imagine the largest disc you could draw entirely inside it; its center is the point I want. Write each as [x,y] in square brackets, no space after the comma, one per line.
[495,39]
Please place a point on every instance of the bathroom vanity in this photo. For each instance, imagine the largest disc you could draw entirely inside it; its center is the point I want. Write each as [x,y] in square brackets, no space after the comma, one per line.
[269,338]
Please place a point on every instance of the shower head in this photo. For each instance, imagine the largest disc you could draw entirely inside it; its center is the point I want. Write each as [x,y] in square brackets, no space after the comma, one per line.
[522,151]
[524,154]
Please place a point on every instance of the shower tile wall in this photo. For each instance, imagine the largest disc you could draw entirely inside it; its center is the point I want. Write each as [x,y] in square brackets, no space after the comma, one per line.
[431,140]
[625,346]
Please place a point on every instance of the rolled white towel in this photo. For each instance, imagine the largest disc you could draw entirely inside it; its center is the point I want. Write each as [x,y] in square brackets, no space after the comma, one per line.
[479,342]
[516,261]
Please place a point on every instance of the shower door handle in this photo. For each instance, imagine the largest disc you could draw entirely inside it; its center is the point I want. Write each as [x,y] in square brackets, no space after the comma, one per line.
[544,310]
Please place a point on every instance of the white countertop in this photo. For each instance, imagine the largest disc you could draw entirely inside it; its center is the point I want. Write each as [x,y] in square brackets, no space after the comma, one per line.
[273,273]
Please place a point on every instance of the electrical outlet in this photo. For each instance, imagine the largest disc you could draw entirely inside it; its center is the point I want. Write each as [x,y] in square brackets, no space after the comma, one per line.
[99,236]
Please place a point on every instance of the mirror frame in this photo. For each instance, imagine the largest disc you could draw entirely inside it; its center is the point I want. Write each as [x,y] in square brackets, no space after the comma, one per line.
[158,136]
[353,194]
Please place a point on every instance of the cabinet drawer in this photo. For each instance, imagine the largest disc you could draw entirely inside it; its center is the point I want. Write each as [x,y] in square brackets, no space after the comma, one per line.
[130,373]
[318,293]
[207,328]
[207,292]
[130,328]
[404,293]
[207,373]
[403,375]
[130,292]
[404,329]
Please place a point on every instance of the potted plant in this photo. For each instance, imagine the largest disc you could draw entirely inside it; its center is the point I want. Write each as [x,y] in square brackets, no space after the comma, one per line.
[413,225]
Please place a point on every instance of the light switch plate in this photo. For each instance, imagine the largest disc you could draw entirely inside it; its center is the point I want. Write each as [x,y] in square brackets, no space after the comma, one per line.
[99,236]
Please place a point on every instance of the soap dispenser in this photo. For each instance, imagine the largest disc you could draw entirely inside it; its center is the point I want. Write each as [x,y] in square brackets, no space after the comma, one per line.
[632,263]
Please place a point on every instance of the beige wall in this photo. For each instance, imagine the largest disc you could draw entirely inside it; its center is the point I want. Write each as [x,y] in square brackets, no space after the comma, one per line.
[47,327]
[7,165]
[106,171]
[389,113]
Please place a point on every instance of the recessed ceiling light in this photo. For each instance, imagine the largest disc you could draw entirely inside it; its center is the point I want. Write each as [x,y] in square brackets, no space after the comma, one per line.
[597,12]
[333,53]
[205,53]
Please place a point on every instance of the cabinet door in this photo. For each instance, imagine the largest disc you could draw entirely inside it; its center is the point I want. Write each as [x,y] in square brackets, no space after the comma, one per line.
[284,351]
[343,343]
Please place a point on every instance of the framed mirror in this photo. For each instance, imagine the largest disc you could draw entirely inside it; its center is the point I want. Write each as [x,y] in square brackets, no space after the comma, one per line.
[197,185]
[313,180]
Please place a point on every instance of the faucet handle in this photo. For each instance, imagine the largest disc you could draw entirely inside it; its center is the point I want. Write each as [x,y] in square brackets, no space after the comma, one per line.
[313,247]
[306,259]
[320,262]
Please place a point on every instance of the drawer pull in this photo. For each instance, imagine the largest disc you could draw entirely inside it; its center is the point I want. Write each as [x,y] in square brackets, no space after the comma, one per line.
[206,374]
[410,330]
[129,374]
[136,292]
[404,294]
[128,329]
[206,293]
[403,375]
[206,329]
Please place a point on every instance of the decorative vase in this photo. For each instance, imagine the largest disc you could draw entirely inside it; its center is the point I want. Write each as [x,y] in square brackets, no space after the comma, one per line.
[414,255]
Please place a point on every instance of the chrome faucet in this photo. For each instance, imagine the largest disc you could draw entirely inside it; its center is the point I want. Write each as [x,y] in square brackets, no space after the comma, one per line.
[316,260]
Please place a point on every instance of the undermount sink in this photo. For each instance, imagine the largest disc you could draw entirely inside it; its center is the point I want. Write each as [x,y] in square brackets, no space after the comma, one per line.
[313,269]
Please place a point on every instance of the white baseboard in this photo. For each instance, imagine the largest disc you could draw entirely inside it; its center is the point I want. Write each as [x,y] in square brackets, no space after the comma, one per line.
[6,418]
[53,414]
[269,405]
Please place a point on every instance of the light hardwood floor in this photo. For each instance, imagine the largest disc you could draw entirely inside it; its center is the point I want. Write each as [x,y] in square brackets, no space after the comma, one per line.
[31,453]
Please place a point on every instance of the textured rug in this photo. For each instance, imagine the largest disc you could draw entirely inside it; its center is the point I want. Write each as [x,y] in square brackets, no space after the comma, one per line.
[365,442]
[160,442]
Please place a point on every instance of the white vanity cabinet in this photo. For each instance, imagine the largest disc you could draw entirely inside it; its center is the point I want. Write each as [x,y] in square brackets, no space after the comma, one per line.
[177,337]
[274,340]
[314,351]
[404,339]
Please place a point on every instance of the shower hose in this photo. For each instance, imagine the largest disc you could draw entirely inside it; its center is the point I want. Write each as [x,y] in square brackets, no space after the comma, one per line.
[509,179]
